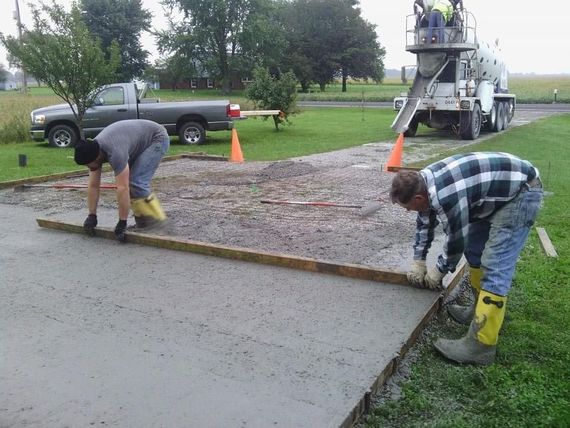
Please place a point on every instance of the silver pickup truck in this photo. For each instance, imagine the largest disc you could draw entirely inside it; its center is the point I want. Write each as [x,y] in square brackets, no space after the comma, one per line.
[189,120]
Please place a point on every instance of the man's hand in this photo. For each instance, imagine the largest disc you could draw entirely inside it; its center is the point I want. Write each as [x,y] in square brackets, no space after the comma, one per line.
[89,224]
[417,273]
[120,230]
[433,279]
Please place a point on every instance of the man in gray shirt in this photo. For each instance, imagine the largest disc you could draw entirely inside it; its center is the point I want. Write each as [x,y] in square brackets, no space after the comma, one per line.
[134,149]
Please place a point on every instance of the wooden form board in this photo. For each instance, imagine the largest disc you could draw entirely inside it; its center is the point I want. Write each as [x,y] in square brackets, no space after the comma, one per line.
[43,178]
[364,405]
[106,168]
[402,168]
[546,242]
[244,254]
[302,263]
[260,113]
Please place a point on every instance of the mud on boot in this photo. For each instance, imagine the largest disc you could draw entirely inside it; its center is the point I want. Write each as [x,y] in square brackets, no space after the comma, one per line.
[467,350]
[464,314]
[147,211]
[479,345]
[145,222]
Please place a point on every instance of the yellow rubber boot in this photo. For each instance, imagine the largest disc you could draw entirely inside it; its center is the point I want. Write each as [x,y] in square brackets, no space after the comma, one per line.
[489,317]
[147,211]
[464,314]
[479,345]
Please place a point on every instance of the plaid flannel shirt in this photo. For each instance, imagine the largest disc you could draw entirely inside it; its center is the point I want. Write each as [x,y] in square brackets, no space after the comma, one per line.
[463,189]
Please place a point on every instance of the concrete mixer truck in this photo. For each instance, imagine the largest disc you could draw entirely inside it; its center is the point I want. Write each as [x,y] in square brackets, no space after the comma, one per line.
[460,82]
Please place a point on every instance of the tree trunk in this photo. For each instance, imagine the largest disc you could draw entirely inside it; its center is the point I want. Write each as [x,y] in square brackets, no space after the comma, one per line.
[344,78]
[224,68]
[322,86]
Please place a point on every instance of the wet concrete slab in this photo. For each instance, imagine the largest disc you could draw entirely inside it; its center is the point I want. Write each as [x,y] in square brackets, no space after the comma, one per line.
[94,332]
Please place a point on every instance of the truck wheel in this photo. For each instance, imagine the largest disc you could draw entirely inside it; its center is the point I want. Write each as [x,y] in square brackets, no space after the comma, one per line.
[471,123]
[62,136]
[412,129]
[491,118]
[500,117]
[510,111]
[507,114]
[192,133]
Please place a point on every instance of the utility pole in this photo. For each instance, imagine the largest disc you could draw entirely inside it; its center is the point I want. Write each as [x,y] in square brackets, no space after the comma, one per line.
[19,24]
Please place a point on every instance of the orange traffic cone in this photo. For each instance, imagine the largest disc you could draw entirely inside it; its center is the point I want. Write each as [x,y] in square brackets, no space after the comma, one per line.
[235,155]
[395,159]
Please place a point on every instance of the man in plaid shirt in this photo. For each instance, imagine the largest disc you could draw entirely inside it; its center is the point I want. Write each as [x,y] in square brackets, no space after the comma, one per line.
[486,204]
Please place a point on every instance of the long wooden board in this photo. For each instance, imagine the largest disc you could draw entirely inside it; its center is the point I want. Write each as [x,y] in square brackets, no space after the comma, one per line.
[244,254]
[402,168]
[106,168]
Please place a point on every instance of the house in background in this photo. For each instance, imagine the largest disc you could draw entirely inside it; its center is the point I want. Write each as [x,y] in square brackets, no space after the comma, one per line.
[198,78]
[10,83]
[237,83]
[14,81]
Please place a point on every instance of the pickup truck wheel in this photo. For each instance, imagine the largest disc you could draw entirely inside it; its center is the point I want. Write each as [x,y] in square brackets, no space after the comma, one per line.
[62,136]
[471,123]
[192,133]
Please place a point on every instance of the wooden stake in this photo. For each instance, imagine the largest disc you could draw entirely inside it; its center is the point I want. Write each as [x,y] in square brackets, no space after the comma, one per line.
[546,242]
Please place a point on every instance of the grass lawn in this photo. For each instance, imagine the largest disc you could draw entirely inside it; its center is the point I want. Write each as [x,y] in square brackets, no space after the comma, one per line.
[529,384]
[16,107]
[314,131]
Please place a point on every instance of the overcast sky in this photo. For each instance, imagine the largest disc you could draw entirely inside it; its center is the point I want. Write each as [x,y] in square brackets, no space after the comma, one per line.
[532,39]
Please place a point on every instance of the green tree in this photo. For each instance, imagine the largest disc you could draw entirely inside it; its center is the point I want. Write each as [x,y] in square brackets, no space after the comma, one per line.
[60,52]
[361,56]
[122,21]
[270,92]
[328,36]
[225,36]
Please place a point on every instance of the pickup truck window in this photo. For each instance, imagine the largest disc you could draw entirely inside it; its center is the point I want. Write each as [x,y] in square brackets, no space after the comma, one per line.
[110,96]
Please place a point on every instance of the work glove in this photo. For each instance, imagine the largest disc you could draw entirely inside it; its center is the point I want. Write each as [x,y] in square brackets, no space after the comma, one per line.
[89,224]
[433,279]
[120,230]
[417,273]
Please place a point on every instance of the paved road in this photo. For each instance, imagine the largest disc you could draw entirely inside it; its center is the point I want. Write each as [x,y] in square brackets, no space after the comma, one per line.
[554,107]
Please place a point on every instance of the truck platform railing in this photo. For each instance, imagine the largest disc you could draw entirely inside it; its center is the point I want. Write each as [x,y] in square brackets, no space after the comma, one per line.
[459,34]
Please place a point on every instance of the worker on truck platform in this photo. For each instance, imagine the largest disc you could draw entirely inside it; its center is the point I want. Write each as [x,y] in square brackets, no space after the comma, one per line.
[486,203]
[134,149]
[439,15]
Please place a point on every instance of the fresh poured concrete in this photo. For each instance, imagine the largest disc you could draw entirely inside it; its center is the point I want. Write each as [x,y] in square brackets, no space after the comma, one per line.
[96,333]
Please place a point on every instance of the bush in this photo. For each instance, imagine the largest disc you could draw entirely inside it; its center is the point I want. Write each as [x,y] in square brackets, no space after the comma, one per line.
[15,130]
[274,93]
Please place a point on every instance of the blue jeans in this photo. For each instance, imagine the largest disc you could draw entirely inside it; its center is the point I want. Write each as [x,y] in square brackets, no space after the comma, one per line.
[436,23]
[494,244]
[144,167]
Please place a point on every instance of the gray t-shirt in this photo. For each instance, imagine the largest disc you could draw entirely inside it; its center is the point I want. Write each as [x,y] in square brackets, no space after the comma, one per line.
[125,140]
